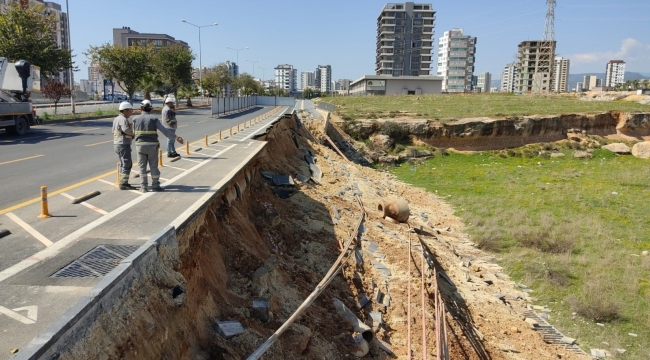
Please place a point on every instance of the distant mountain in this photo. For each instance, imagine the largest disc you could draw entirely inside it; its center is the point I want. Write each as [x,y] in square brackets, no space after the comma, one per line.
[576,78]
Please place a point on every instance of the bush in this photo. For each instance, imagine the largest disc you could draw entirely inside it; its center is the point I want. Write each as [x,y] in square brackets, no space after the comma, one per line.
[394,131]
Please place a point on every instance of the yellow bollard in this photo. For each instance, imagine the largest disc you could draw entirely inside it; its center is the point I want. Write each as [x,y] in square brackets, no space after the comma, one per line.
[117,175]
[219,135]
[44,211]
[160,164]
[206,140]
[187,148]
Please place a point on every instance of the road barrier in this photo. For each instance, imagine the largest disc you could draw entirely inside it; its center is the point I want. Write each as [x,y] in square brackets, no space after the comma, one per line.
[44,211]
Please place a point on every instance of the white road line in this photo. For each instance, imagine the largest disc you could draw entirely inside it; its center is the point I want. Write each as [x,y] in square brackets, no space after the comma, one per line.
[91,207]
[74,237]
[29,229]
[196,161]
[112,184]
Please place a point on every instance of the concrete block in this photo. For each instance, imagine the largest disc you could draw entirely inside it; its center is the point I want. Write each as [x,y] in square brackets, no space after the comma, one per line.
[228,329]
[261,310]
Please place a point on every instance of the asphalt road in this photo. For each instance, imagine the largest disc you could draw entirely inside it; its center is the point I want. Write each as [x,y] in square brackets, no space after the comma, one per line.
[61,155]
[81,108]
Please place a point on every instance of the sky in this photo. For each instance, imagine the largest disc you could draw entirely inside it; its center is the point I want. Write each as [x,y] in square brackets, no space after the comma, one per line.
[306,33]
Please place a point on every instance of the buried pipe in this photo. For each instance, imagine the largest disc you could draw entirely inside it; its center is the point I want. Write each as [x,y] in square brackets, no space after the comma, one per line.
[396,209]
[358,325]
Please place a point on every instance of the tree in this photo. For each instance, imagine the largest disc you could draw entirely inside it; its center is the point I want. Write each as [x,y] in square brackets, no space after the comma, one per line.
[150,83]
[174,65]
[29,34]
[127,65]
[54,90]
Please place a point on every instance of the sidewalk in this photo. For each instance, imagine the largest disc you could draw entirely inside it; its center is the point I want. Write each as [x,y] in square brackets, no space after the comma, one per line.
[39,285]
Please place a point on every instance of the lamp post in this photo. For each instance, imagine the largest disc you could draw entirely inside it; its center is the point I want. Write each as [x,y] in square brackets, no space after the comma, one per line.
[253,62]
[237,50]
[200,63]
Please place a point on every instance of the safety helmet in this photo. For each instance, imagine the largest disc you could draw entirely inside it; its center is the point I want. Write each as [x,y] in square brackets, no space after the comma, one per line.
[125,105]
[170,99]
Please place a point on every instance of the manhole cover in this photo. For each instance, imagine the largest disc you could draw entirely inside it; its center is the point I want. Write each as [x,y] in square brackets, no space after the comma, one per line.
[97,262]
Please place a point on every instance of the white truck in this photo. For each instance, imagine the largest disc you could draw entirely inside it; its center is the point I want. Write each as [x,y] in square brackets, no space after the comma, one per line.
[17,81]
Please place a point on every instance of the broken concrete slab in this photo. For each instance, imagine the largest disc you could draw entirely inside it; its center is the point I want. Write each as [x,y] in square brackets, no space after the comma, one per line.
[228,329]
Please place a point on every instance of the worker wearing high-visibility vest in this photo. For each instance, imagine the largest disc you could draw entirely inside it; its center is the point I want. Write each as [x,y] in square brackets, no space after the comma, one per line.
[122,137]
[146,127]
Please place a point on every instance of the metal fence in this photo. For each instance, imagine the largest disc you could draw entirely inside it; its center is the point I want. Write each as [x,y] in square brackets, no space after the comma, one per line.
[326,106]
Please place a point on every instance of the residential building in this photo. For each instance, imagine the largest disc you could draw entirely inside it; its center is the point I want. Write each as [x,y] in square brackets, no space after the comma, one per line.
[508,77]
[484,82]
[126,37]
[323,78]
[405,39]
[285,78]
[307,80]
[615,73]
[535,66]
[589,82]
[560,74]
[342,84]
[396,85]
[456,60]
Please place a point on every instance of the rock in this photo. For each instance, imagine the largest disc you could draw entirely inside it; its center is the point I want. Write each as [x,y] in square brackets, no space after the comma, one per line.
[582,155]
[598,353]
[381,142]
[618,148]
[297,338]
[557,155]
[641,150]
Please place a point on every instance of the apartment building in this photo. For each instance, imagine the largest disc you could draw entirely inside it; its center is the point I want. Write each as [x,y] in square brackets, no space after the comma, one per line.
[535,66]
[323,78]
[286,78]
[405,39]
[615,73]
[560,74]
[307,80]
[484,82]
[456,60]
[124,36]
[508,78]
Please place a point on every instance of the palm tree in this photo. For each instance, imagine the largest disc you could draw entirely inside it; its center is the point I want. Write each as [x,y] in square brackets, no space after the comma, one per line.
[150,83]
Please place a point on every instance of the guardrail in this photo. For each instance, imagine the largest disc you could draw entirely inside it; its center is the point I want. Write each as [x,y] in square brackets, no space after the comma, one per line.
[326,106]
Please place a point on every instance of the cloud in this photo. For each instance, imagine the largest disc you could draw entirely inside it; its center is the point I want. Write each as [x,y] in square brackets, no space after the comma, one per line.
[631,51]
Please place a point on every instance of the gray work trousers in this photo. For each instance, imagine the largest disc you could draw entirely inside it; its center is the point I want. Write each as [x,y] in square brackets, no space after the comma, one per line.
[126,162]
[148,154]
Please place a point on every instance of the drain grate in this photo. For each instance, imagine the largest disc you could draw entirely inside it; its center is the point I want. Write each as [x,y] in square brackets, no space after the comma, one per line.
[97,262]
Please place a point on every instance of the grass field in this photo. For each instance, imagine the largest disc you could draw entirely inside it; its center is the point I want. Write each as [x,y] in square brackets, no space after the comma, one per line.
[570,229]
[446,107]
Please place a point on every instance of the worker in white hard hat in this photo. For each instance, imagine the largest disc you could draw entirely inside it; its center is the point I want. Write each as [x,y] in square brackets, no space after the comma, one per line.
[169,120]
[122,138]
[146,128]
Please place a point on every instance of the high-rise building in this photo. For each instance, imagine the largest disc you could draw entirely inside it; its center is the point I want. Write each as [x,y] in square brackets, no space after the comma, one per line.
[405,39]
[560,74]
[615,73]
[535,66]
[124,36]
[323,78]
[589,82]
[508,77]
[484,82]
[307,80]
[456,60]
[285,78]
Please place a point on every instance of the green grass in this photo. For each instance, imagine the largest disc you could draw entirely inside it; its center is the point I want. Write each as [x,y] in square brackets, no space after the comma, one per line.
[564,227]
[446,107]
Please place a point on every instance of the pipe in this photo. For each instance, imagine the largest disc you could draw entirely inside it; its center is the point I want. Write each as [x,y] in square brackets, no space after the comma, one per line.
[358,325]
[396,209]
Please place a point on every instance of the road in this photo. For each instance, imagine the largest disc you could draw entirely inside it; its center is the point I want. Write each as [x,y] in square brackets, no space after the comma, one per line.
[84,108]
[62,155]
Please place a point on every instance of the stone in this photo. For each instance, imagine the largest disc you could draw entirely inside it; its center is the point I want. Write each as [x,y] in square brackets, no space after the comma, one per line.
[618,148]
[261,310]
[557,155]
[381,142]
[582,155]
[228,329]
[641,150]
[598,353]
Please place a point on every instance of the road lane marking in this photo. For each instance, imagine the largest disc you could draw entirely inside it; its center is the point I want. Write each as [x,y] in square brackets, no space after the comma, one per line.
[34,200]
[84,130]
[99,143]
[113,185]
[27,158]
[91,207]
[29,229]
[74,237]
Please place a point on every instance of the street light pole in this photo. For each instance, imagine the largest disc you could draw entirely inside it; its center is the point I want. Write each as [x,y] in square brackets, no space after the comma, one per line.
[200,60]
[253,62]
[70,80]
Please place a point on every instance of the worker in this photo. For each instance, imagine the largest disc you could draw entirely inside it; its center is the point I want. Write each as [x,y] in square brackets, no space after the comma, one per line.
[122,138]
[146,128]
[169,120]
